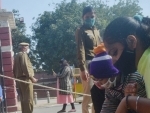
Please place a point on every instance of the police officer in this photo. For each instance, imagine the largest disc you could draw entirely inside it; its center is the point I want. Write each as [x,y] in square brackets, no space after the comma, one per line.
[88,37]
[23,70]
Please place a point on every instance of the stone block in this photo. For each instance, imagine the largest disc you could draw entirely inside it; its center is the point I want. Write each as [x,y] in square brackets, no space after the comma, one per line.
[5,36]
[6,54]
[10,74]
[8,82]
[6,42]
[7,61]
[4,30]
[11,95]
[10,88]
[7,48]
[12,109]
[11,102]
[7,68]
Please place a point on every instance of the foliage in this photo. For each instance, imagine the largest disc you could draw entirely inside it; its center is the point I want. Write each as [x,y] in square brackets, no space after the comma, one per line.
[19,34]
[54,30]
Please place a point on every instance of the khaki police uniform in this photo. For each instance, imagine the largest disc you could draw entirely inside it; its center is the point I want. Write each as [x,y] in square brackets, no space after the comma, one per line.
[86,39]
[23,70]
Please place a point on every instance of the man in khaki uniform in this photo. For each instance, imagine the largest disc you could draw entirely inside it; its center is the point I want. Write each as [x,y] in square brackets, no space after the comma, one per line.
[23,70]
[87,37]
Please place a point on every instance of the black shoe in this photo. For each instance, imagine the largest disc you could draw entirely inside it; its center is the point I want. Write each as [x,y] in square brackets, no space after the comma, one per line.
[62,111]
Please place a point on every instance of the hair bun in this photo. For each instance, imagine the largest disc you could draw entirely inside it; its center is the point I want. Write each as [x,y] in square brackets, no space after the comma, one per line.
[139,18]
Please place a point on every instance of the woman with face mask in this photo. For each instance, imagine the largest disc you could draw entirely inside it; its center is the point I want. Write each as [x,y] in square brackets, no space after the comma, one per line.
[127,40]
[64,83]
[107,77]
[88,37]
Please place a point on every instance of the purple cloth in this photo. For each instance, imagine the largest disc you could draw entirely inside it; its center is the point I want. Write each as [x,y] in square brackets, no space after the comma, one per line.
[103,68]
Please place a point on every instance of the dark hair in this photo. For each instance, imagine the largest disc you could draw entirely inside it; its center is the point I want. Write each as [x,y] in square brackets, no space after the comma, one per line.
[64,61]
[119,29]
[61,61]
[87,10]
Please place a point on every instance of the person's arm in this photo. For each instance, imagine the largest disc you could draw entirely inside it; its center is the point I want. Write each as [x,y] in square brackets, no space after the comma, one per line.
[143,105]
[64,73]
[80,49]
[81,54]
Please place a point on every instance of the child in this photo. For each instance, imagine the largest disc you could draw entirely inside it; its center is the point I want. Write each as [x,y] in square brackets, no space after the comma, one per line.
[106,76]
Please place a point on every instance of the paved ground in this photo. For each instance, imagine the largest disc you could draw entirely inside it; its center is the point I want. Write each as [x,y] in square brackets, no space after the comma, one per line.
[54,109]
[43,107]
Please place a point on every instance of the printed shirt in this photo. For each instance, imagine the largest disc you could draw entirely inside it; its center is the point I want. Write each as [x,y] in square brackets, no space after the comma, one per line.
[114,96]
[144,69]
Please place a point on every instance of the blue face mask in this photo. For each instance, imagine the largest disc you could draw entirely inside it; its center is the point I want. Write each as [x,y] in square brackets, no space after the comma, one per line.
[89,22]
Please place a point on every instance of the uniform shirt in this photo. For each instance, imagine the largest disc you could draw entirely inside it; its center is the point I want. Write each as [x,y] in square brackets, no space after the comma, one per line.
[22,66]
[144,69]
[86,39]
[115,95]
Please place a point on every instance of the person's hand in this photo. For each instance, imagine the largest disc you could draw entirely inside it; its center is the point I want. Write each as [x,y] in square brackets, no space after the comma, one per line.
[34,80]
[122,108]
[54,74]
[131,89]
[84,75]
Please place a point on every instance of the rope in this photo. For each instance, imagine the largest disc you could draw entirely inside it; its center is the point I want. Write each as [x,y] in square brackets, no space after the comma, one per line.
[43,86]
[5,88]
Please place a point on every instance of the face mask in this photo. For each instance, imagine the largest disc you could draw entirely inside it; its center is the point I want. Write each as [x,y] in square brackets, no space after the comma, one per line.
[126,62]
[28,50]
[109,84]
[89,22]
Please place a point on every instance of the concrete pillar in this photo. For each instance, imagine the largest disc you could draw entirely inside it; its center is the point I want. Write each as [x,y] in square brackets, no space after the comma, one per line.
[7,61]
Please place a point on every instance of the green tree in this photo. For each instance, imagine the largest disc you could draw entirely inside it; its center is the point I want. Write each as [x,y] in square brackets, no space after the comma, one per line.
[54,31]
[19,34]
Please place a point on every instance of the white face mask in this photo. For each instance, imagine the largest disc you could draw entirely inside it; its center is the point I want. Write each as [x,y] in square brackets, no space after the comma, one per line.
[28,50]
[109,84]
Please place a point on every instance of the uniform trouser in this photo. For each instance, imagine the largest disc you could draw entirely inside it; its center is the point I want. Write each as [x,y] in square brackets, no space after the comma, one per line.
[87,85]
[26,96]
[98,97]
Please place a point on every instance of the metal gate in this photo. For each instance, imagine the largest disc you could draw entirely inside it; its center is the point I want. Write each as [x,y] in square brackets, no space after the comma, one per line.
[3,103]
